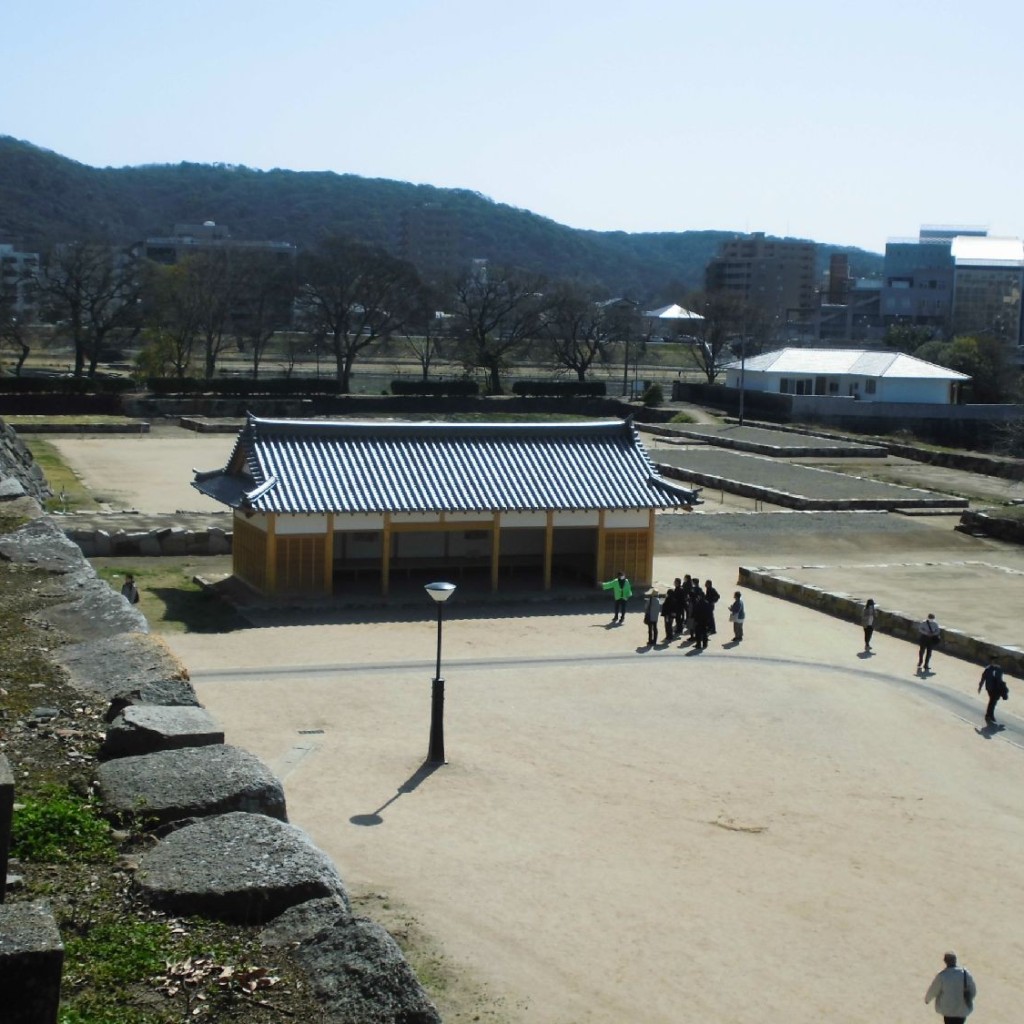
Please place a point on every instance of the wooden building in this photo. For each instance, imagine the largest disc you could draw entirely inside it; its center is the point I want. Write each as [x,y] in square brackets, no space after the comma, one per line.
[322,506]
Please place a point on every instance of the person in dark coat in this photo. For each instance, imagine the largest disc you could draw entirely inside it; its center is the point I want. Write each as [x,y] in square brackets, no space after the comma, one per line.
[682,598]
[712,597]
[703,617]
[668,610]
[995,686]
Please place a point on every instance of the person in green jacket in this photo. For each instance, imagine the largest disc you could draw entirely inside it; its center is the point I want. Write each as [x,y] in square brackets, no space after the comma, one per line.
[622,591]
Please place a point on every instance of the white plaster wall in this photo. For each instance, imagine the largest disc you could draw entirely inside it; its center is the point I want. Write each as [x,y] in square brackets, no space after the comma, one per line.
[631,519]
[359,522]
[294,525]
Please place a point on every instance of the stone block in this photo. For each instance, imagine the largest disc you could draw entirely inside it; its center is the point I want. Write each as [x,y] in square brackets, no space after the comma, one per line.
[31,961]
[145,728]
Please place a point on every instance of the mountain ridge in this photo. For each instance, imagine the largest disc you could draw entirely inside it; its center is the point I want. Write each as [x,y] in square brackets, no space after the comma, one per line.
[47,198]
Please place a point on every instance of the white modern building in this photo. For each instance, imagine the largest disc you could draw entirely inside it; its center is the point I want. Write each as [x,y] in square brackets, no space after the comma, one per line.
[870,375]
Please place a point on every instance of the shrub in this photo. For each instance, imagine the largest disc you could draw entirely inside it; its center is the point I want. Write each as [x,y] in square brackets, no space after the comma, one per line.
[653,396]
[682,417]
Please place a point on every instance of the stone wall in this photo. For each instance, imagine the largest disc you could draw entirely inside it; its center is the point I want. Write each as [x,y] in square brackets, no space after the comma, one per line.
[890,622]
[96,542]
[19,475]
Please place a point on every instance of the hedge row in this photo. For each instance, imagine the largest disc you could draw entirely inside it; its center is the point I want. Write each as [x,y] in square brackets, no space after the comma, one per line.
[560,388]
[65,385]
[242,386]
[435,388]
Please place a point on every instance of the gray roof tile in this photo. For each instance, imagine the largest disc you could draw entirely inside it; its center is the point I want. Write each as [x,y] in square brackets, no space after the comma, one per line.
[342,466]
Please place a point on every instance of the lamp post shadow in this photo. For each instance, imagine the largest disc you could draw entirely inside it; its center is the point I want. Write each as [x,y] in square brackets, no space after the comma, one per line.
[424,771]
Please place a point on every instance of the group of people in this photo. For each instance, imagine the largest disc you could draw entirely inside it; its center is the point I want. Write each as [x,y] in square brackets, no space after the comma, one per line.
[685,609]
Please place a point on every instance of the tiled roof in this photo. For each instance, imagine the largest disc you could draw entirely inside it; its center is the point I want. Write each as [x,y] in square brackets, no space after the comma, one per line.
[342,466]
[853,361]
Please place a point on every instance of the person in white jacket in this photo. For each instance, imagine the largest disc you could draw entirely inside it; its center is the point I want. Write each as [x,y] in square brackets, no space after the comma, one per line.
[953,990]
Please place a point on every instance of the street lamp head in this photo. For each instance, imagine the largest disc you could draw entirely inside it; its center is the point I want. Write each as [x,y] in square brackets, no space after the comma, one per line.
[440,592]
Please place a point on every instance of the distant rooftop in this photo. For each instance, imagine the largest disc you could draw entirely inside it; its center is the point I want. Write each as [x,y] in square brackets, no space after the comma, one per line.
[969,250]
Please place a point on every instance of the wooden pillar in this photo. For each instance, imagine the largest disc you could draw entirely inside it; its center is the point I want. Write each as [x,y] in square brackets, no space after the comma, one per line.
[495,550]
[385,555]
[271,553]
[549,548]
[599,567]
[329,555]
[650,545]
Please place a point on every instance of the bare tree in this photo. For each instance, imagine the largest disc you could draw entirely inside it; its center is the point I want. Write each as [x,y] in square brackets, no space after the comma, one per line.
[353,295]
[724,317]
[577,328]
[263,295]
[172,313]
[426,331]
[93,293]
[14,330]
[495,311]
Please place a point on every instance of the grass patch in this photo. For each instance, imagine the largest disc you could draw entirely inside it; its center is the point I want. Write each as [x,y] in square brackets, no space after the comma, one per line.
[57,827]
[61,478]
[92,420]
[170,598]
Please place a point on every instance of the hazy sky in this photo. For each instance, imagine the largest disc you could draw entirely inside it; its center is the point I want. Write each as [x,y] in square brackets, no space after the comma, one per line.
[842,122]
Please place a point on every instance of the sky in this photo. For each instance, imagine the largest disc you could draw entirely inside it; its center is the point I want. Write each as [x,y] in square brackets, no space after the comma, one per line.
[846,123]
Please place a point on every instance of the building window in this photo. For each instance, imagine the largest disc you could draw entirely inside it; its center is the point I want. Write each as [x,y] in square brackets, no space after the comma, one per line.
[869,387]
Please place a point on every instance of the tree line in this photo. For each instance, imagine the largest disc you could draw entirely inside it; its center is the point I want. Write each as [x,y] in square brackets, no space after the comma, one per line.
[345,298]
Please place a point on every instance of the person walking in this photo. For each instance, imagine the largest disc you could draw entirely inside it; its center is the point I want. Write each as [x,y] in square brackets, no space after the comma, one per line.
[953,990]
[737,614]
[652,609]
[995,685]
[929,633]
[622,591]
[867,620]
[129,591]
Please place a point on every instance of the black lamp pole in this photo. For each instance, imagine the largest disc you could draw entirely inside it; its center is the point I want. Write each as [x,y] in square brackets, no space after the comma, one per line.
[440,592]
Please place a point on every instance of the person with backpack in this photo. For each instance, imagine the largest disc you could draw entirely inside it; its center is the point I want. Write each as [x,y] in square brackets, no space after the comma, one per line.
[652,611]
[929,633]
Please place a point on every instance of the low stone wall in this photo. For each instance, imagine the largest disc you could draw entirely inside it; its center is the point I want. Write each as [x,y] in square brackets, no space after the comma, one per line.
[899,624]
[992,525]
[152,543]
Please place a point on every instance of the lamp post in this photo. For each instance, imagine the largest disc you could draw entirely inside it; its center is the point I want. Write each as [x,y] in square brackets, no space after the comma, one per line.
[439,592]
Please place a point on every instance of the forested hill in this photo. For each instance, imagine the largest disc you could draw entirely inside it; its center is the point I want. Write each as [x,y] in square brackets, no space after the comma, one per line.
[47,198]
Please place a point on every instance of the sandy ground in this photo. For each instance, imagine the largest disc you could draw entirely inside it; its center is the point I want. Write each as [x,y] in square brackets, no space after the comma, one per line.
[783,829]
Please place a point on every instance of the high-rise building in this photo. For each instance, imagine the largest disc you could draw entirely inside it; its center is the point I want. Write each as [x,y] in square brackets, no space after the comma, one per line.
[774,276]
[988,283]
[19,280]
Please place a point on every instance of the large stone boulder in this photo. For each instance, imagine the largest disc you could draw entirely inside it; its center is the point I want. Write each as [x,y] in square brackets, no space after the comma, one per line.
[355,967]
[146,728]
[190,783]
[129,669]
[237,867]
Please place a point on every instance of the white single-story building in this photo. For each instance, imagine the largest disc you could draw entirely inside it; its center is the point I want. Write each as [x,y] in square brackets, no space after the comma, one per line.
[323,507]
[871,375]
